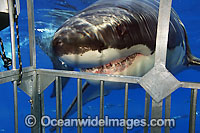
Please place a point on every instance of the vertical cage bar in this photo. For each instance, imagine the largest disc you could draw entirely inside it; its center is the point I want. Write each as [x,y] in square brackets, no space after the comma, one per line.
[12,32]
[193,103]
[156,114]
[42,109]
[126,107]
[79,103]
[15,106]
[167,112]
[146,111]
[162,31]
[31,29]
[58,102]
[36,110]
[101,115]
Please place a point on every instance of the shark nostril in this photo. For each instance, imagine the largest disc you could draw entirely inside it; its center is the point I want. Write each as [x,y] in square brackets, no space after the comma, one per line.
[57,46]
[60,43]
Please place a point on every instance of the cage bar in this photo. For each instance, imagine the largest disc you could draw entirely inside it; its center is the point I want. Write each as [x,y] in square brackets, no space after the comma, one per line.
[36,108]
[58,102]
[82,75]
[31,29]
[126,108]
[146,111]
[37,97]
[15,106]
[79,103]
[156,114]
[193,103]
[12,32]
[42,108]
[162,32]
[167,111]
[101,114]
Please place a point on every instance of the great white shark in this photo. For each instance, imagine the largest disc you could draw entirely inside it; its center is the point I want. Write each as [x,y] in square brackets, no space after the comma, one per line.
[117,37]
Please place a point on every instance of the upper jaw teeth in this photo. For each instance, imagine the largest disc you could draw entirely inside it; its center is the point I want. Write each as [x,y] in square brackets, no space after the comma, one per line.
[114,66]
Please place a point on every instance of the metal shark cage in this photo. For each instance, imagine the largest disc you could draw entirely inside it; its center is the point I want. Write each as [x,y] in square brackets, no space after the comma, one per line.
[159,83]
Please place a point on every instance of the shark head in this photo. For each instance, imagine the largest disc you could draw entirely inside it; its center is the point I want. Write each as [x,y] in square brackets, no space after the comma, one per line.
[91,50]
[115,39]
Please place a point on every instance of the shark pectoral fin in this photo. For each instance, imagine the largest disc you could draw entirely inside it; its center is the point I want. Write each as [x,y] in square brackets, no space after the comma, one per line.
[72,107]
[57,64]
[64,82]
[89,92]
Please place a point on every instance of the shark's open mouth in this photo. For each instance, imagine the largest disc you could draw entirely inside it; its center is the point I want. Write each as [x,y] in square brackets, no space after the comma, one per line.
[114,66]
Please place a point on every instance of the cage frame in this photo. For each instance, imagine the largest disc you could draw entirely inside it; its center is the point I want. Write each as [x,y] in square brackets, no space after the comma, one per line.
[33,83]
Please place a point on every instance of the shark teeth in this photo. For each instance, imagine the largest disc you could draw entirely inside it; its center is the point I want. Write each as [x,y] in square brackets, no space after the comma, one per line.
[114,66]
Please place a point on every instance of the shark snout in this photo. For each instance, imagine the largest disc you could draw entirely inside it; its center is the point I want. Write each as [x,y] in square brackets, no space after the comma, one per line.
[76,48]
[68,42]
[58,45]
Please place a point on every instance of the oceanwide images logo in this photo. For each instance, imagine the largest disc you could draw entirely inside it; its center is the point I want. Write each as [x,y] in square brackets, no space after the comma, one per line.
[30,121]
[46,121]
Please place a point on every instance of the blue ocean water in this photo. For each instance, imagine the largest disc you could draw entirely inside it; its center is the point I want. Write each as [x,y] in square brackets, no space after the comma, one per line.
[47,20]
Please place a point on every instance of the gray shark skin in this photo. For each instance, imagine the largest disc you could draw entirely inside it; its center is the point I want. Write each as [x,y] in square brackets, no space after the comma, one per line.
[118,37]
